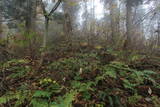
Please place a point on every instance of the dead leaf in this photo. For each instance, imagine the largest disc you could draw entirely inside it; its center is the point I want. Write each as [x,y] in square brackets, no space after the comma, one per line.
[150,91]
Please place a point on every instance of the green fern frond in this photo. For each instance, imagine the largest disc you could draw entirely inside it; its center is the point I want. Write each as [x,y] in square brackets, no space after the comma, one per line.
[39,103]
[128,85]
[66,100]
[40,93]
[110,71]
[10,96]
[149,72]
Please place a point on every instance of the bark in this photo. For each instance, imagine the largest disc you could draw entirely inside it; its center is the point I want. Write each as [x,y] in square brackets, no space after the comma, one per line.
[113,15]
[67,24]
[85,27]
[128,41]
[31,15]
[44,44]
[158,33]
[0,25]
[68,21]
[30,22]
[0,22]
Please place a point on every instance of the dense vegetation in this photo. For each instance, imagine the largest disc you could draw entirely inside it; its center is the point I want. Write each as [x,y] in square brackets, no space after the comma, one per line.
[83,76]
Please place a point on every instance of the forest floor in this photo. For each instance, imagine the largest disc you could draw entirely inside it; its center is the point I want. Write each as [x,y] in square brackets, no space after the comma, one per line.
[81,78]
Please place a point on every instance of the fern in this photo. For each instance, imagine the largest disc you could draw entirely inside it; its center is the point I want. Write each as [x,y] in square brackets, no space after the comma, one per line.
[82,86]
[40,98]
[19,97]
[66,100]
[23,96]
[149,72]
[136,77]
[127,84]
[15,62]
[99,78]
[35,102]
[69,97]
[110,71]
[134,99]
[41,94]
[20,72]
[17,68]
[10,96]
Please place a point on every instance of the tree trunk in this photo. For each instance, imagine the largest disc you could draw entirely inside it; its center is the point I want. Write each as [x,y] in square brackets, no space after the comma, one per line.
[31,15]
[85,26]
[159,34]
[113,15]
[1,23]
[68,21]
[46,32]
[44,44]
[128,41]
[47,15]
[30,23]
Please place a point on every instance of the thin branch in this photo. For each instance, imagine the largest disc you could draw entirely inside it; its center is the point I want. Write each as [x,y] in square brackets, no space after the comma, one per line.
[146,15]
[55,7]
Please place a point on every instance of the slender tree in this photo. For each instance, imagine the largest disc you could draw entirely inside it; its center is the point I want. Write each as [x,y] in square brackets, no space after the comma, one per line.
[47,18]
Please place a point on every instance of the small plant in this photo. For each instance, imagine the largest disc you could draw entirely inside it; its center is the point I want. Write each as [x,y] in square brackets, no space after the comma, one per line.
[66,100]
[83,88]
[156,101]
[47,81]
[50,85]
[134,99]
[68,64]
[42,98]
[20,97]
[17,68]
[110,71]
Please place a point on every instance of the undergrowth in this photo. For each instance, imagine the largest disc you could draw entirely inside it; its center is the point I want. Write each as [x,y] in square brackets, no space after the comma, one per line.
[84,81]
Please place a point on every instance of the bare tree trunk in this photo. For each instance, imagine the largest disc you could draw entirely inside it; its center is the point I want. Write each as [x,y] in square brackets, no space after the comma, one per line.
[31,15]
[1,23]
[44,44]
[68,22]
[28,16]
[30,22]
[158,33]
[113,20]
[128,41]
[68,26]
[34,13]
[92,24]
[46,32]
[118,19]
[85,27]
